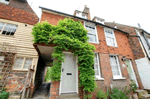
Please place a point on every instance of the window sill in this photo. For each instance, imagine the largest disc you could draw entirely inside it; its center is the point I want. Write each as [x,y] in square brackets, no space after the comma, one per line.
[99,79]
[7,35]
[94,42]
[19,70]
[112,46]
[115,78]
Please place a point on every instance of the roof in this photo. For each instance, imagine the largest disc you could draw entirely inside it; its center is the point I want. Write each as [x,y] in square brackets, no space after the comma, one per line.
[82,19]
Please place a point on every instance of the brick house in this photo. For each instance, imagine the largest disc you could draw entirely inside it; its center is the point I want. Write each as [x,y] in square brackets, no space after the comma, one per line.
[140,45]
[16,22]
[114,60]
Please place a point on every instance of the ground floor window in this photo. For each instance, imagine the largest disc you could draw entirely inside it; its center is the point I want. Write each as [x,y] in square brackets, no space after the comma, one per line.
[114,62]
[22,63]
[97,66]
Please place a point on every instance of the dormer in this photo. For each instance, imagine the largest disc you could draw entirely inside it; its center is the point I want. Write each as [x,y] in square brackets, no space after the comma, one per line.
[85,14]
[99,20]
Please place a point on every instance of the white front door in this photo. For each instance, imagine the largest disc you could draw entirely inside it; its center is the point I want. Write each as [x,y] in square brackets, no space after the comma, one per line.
[69,74]
[131,72]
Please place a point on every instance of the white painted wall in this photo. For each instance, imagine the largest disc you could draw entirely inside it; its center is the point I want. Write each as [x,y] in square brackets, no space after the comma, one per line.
[143,66]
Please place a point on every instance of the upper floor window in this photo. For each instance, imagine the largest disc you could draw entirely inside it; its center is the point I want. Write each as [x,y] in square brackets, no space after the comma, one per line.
[22,63]
[92,33]
[7,29]
[4,1]
[110,37]
[97,66]
[114,62]
[82,15]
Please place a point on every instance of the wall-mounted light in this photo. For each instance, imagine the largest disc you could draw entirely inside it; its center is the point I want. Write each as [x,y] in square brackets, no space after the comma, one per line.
[123,58]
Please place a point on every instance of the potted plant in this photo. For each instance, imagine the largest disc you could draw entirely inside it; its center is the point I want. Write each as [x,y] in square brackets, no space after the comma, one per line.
[133,88]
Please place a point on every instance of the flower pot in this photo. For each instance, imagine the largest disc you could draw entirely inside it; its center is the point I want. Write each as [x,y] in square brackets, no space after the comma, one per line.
[135,96]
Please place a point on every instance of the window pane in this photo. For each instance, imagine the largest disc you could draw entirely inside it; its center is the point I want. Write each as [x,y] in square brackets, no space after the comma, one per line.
[27,63]
[116,73]
[96,72]
[92,38]
[110,41]
[1,26]
[114,65]
[9,29]
[96,65]
[18,63]
[109,34]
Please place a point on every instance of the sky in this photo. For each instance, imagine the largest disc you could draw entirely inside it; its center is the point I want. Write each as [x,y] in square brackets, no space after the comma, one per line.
[128,12]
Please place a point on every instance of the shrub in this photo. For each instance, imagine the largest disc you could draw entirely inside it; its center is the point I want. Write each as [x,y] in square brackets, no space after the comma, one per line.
[48,74]
[102,95]
[4,95]
[133,87]
[116,94]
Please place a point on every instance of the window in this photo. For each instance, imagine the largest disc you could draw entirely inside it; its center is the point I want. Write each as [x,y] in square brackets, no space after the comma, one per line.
[110,37]
[82,15]
[97,66]
[7,29]
[22,63]
[115,67]
[4,1]
[92,34]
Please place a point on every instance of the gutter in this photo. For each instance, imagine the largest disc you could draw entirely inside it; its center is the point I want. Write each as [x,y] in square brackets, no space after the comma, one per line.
[83,19]
[142,44]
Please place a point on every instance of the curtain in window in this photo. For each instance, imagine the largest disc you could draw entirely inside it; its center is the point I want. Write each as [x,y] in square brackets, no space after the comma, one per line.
[18,63]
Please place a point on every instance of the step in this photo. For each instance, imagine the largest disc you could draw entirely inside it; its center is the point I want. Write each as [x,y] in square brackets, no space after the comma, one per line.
[69,96]
[139,91]
[146,96]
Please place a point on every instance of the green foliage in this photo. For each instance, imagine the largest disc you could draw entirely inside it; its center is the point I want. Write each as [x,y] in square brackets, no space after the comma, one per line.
[48,74]
[102,95]
[4,95]
[116,94]
[88,96]
[133,87]
[68,34]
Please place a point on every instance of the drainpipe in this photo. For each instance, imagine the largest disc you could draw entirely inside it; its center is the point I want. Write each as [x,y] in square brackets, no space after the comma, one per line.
[146,39]
[142,44]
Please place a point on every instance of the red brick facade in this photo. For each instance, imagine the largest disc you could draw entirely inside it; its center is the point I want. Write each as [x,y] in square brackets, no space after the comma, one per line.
[123,49]
[18,12]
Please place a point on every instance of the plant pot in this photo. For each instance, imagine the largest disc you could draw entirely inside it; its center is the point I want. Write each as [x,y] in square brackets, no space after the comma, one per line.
[135,96]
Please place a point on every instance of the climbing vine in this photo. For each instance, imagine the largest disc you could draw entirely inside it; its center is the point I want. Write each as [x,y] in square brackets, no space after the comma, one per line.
[68,34]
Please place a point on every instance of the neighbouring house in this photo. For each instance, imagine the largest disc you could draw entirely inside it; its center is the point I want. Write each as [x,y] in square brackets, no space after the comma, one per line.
[114,65]
[16,22]
[140,45]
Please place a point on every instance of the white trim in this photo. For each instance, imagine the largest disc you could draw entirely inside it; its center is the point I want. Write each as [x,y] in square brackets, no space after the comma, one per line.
[113,37]
[133,72]
[76,75]
[97,42]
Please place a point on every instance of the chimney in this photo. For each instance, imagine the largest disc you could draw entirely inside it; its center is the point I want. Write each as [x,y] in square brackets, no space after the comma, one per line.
[87,11]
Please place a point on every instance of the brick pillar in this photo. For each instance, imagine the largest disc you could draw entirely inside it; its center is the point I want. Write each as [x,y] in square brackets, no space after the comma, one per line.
[54,91]
[106,69]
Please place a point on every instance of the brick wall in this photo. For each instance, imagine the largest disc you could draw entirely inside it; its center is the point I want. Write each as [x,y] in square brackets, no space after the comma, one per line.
[16,14]
[54,91]
[123,49]
[133,41]
[15,81]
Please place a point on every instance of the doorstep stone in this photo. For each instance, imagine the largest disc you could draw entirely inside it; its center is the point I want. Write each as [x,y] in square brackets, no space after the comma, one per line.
[146,96]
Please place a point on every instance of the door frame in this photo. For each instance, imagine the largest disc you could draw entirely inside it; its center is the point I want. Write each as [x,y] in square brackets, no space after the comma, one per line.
[130,62]
[76,74]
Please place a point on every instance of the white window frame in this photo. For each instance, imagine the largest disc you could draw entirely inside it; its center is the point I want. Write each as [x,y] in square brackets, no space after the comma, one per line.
[119,69]
[91,24]
[98,77]
[4,1]
[23,63]
[5,26]
[112,37]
